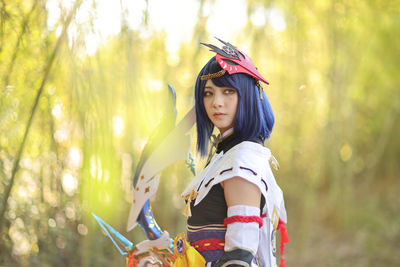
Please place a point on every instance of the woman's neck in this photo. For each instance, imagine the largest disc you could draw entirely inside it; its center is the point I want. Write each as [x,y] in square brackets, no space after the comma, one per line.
[226,133]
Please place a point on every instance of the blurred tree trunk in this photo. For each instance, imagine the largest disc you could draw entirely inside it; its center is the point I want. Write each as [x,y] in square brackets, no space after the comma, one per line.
[33,111]
[24,27]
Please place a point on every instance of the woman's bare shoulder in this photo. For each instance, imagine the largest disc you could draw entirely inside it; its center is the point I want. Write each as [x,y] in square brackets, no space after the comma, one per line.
[239,191]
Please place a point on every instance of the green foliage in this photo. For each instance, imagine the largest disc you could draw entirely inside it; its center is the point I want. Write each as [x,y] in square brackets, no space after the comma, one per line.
[334,80]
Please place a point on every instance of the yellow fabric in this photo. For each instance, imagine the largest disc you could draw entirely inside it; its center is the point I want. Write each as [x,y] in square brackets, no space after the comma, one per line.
[189,257]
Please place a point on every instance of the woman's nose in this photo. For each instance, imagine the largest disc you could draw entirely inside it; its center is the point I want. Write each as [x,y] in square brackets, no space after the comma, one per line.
[218,100]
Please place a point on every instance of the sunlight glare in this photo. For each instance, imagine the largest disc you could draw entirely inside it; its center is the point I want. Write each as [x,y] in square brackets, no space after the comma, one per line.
[53,15]
[69,184]
[108,17]
[118,126]
[22,193]
[26,163]
[56,111]
[135,12]
[276,19]
[258,17]
[61,135]
[75,157]
[178,24]
[226,19]
[95,167]
[154,85]
[126,171]
[92,42]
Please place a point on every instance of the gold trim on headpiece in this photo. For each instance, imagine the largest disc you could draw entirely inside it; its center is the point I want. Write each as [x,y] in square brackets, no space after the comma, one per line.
[212,75]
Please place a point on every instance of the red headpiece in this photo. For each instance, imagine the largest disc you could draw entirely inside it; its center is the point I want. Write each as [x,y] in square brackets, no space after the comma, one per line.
[233,60]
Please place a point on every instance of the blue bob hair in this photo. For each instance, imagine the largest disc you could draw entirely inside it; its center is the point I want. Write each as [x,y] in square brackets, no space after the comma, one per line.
[254,117]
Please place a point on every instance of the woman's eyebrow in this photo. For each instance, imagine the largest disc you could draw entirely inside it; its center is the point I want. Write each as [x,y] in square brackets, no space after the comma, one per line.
[208,87]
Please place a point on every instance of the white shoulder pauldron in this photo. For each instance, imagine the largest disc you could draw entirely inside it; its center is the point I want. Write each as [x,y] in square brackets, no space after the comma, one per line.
[247,160]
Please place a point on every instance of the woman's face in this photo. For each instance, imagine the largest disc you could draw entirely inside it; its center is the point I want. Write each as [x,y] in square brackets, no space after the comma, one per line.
[220,104]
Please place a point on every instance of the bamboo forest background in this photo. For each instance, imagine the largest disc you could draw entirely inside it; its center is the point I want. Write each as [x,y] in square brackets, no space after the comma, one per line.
[73,124]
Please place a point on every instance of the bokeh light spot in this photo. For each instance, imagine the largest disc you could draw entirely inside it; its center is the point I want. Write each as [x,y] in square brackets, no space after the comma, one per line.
[346,152]
[118,126]
[82,229]
[69,184]
[52,223]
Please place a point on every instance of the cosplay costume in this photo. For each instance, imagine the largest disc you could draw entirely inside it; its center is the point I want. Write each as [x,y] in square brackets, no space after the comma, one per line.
[238,235]
[218,236]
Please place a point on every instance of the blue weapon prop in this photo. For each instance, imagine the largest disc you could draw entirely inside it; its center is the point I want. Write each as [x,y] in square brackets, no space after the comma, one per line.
[121,243]
[156,252]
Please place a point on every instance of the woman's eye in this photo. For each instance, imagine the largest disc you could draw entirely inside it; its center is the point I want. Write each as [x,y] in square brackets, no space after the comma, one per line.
[230,91]
[207,93]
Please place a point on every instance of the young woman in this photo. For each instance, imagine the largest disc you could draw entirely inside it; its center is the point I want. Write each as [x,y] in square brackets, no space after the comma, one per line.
[234,204]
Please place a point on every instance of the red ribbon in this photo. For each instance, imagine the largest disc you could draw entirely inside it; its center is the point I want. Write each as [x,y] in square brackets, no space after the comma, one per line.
[284,239]
[243,219]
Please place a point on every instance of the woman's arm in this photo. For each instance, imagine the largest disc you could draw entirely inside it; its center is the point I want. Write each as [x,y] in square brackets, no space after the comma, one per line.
[239,191]
[243,222]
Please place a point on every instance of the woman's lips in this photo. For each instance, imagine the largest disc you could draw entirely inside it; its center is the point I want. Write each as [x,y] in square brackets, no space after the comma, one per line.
[218,115]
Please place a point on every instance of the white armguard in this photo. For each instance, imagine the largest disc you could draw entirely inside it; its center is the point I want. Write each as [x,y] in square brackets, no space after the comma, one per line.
[242,234]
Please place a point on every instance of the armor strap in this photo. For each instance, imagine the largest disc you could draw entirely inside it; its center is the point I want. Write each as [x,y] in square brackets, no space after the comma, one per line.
[243,219]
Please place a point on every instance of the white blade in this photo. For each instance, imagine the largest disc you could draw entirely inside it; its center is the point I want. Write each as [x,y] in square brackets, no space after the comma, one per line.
[174,147]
